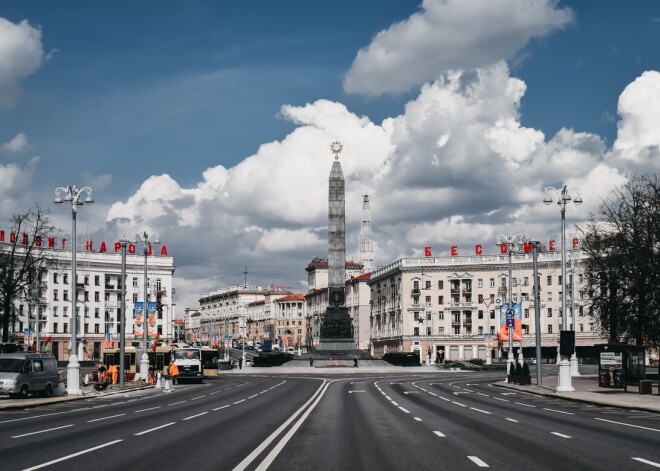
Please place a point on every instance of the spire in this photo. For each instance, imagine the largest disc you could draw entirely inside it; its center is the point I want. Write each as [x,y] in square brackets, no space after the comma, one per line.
[366,237]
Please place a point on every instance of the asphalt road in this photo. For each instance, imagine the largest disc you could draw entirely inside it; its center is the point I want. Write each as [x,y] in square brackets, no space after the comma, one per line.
[446,420]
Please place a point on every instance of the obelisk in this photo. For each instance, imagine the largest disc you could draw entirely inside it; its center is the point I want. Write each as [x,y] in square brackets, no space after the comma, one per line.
[336,328]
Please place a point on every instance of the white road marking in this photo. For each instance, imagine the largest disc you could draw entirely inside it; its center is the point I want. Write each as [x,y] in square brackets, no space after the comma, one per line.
[628,425]
[560,435]
[458,404]
[388,397]
[417,419]
[42,431]
[197,415]
[150,408]
[404,410]
[222,407]
[642,460]
[433,394]
[439,434]
[154,429]
[175,403]
[482,394]
[410,392]
[512,420]
[238,402]
[478,462]
[500,399]
[479,410]
[395,403]
[469,390]
[444,398]
[559,411]
[214,392]
[522,404]
[351,392]
[58,460]
[253,396]
[508,394]
[198,397]
[105,418]
[264,391]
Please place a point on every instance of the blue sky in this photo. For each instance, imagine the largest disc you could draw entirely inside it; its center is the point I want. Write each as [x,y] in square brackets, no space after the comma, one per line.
[212,120]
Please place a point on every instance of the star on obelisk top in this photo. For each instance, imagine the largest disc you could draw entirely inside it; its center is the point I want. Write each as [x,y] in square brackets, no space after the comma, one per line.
[336,149]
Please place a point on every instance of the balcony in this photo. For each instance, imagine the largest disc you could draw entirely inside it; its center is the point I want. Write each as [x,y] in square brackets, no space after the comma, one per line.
[415,291]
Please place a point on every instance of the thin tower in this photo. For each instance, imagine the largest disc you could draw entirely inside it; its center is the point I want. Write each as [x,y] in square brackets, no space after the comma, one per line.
[366,237]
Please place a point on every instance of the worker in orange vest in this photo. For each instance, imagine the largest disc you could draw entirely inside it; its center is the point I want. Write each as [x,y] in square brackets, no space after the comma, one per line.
[112,370]
[173,371]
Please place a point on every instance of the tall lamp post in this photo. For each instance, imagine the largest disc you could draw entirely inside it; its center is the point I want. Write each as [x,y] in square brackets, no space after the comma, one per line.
[563,198]
[147,241]
[510,241]
[122,313]
[537,307]
[72,195]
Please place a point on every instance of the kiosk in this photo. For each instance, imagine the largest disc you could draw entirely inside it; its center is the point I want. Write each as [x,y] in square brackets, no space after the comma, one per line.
[620,365]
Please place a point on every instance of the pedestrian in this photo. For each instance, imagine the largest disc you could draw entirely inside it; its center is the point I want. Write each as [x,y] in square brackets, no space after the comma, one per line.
[151,375]
[173,371]
[103,373]
[311,362]
[240,363]
[114,373]
[355,363]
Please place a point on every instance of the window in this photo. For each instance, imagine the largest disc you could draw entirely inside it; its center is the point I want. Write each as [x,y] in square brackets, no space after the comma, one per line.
[135,282]
[441,300]
[559,278]
[428,315]
[441,331]
[97,280]
[581,327]
[65,328]
[86,280]
[96,329]
[55,327]
[86,296]
[65,295]
[526,313]
[480,330]
[97,314]
[135,297]
[549,329]
[97,296]
[441,316]
[580,311]
[492,282]
[549,280]
[480,298]
[65,278]
[428,300]
[416,285]
[480,314]
[549,296]
[55,295]
[480,283]
[429,331]
[65,311]
[55,276]
[580,278]
[492,314]
[526,281]
[514,282]
[441,284]
[427,284]
[457,330]
[55,311]
[416,331]
[549,312]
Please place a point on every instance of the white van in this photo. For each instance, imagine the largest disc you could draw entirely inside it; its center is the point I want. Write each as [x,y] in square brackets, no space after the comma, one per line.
[23,373]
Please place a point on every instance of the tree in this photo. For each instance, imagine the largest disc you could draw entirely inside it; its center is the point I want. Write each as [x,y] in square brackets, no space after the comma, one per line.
[623,246]
[22,258]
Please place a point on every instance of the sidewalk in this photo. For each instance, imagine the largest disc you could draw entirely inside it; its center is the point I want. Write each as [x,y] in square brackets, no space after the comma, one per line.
[588,391]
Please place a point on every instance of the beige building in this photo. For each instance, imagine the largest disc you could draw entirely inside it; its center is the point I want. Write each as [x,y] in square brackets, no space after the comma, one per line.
[449,307]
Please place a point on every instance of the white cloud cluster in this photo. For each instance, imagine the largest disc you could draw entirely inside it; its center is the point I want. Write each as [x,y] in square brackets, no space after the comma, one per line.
[21,54]
[450,34]
[17,144]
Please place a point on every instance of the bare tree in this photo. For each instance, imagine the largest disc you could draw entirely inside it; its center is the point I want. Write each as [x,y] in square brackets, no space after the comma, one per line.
[623,242]
[22,259]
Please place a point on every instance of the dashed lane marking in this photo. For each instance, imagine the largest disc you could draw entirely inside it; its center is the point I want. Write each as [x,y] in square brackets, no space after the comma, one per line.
[478,462]
[154,429]
[42,431]
[560,435]
[196,415]
[482,411]
[222,407]
[104,418]
[439,434]
[558,411]
[417,419]
[642,460]
[512,420]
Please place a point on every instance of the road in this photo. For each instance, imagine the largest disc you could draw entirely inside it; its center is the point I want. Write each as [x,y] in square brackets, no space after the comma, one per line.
[443,420]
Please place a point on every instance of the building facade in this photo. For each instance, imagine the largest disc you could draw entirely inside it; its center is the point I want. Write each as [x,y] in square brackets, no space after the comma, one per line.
[448,308]
[46,321]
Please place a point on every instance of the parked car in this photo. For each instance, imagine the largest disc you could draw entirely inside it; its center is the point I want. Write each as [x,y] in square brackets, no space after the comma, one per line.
[24,373]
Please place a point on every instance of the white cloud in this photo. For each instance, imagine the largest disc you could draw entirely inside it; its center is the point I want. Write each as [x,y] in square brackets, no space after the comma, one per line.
[21,54]
[17,144]
[450,34]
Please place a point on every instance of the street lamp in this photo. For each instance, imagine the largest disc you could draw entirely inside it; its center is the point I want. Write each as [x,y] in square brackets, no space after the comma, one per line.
[537,307]
[147,241]
[72,195]
[510,241]
[122,312]
[563,198]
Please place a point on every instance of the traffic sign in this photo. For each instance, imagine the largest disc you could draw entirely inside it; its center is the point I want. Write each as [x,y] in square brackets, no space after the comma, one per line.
[509,314]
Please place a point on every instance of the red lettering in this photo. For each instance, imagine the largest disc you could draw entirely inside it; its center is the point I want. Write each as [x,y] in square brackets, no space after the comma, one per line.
[551,245]
[117,247]
[51,242]
[103,248]
[2,236]
[89,246]
[12,237]
[454,250]
[576,242]
[478,249]
[527,247]
[427,251]
[24,239]
[504,248]
[131,249]
[163,250]
[37,241]
[150,250]
[63,243]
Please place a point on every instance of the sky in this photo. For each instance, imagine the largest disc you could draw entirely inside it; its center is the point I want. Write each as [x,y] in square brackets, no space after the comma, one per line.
[210,122]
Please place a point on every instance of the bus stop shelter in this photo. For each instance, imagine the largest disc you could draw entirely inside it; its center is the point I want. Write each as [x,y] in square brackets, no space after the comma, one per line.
[620,365]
